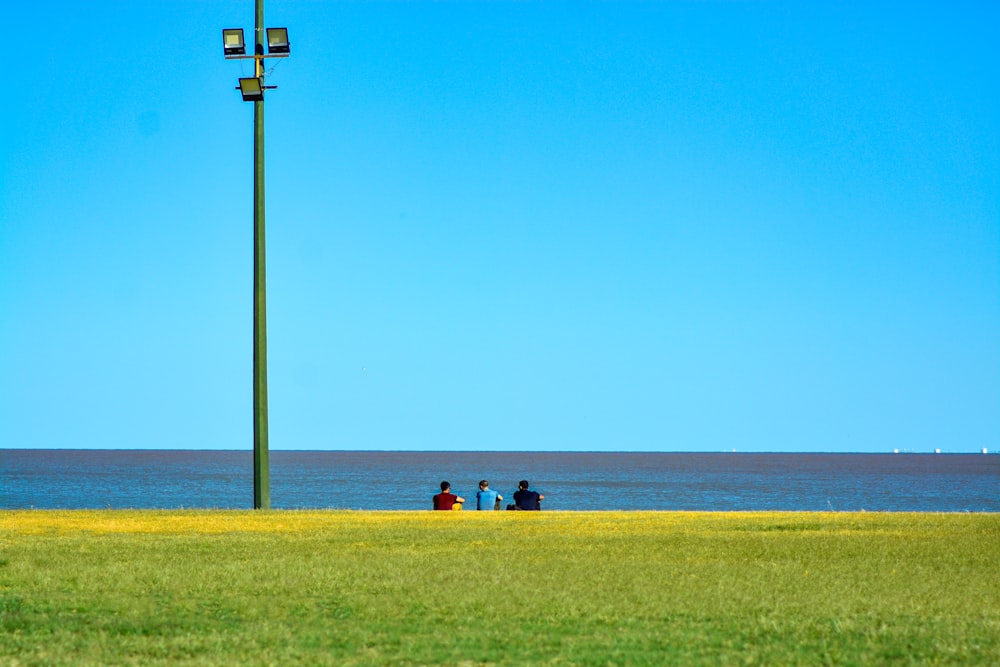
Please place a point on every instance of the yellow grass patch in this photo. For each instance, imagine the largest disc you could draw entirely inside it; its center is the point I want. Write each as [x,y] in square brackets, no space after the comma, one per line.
[213,522]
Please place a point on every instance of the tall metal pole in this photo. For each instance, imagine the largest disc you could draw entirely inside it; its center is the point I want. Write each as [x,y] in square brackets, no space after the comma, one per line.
[261,464]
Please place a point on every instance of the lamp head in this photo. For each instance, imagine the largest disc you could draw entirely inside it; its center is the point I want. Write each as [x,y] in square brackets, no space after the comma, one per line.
[232,42]
[277,40]
[252,89]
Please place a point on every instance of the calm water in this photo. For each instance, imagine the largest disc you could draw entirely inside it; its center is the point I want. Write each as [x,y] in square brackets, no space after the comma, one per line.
[570,481]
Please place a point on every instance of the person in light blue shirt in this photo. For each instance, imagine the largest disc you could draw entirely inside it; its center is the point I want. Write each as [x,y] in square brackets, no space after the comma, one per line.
[486,499]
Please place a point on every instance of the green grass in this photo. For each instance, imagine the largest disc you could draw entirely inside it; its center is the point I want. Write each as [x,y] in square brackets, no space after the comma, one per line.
[466,588]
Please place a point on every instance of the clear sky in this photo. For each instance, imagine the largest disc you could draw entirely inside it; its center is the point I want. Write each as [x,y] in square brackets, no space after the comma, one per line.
[676,226]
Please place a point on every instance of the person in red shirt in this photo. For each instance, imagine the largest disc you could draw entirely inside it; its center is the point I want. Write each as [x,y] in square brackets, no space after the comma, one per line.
[446,499]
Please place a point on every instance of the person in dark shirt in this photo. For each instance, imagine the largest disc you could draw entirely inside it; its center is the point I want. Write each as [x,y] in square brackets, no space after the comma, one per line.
[446,500]
[525,499]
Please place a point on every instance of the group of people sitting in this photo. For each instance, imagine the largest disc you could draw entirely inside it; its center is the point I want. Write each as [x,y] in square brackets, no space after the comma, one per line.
[486,499]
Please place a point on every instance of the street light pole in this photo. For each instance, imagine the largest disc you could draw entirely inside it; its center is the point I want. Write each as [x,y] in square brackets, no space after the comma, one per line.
[261,463]
[252,89]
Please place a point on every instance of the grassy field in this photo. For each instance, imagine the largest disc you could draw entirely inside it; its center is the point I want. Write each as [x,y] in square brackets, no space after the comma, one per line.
[504,588]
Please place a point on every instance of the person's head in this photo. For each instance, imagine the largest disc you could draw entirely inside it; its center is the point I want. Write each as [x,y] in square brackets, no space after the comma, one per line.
[483,484]
[445,487]
[523,485]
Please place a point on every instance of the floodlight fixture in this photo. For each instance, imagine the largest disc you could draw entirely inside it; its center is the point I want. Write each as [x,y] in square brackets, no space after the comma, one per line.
[232,42]
[277,40]
[252,89]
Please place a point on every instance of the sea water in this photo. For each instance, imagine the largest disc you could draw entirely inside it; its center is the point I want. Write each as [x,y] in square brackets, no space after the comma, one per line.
[363,480]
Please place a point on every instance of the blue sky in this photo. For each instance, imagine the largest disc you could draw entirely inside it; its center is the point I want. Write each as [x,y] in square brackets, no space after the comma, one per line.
[690,226]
